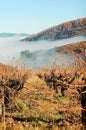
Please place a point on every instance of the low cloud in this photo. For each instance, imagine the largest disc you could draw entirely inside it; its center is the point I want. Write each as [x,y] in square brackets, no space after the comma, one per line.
[42,52]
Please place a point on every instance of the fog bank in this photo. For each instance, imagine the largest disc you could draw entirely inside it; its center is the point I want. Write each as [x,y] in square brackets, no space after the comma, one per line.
[12,47]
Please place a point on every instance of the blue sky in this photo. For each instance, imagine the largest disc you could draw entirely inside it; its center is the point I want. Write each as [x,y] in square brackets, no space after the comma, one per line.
[31,16]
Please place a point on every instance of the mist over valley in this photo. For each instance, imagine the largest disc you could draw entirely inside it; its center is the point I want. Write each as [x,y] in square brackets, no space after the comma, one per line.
[37,54]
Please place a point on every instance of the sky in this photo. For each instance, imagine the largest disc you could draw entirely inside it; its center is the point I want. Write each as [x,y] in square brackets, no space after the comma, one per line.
[31,16]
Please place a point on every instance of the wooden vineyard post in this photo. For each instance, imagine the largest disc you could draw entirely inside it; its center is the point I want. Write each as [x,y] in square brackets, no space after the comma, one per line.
[3,107]
[83,102]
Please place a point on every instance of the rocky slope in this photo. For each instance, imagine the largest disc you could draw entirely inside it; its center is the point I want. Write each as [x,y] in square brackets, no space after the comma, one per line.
[64,30]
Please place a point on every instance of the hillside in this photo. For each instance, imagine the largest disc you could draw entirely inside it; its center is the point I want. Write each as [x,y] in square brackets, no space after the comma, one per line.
[64,30]
[78,49]
[63,54]
[47,99]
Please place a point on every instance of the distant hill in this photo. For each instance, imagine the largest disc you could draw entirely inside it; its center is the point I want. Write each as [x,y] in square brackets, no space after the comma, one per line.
[13,34]
[77,49]
[64,30]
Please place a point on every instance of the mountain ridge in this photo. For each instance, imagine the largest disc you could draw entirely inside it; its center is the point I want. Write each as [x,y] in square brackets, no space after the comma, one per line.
[5,34]
[61,31]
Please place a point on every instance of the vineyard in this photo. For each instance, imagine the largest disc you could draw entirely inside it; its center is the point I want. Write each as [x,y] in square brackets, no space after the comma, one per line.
[49,99]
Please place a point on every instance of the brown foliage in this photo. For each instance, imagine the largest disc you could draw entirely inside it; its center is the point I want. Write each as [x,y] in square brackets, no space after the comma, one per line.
[12,80]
